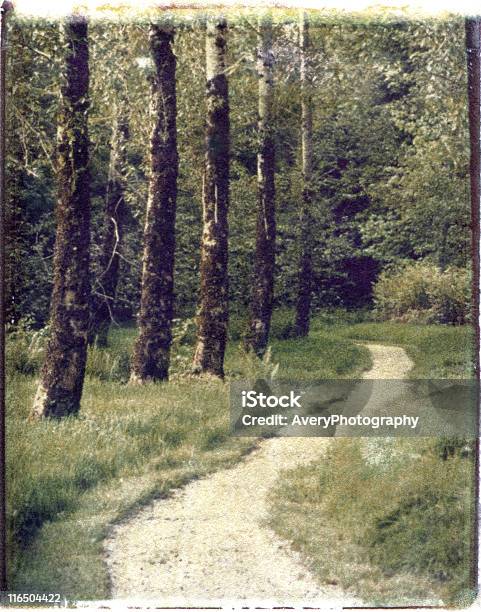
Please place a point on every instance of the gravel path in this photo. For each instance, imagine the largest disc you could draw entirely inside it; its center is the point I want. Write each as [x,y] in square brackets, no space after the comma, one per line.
[207,543]
[388,362]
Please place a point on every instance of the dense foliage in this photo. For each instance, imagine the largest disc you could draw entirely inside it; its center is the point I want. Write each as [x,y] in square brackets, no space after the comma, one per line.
[422,293]
[390,154]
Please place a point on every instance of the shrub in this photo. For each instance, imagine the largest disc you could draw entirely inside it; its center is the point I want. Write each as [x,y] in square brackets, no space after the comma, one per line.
[422,293]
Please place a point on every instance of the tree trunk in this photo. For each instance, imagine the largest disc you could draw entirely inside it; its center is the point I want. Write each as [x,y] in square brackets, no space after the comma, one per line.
[263,278]
[213,311]
[62,376]
[106,283]
[303,307]
[473,50]
[151,356]
[4,9]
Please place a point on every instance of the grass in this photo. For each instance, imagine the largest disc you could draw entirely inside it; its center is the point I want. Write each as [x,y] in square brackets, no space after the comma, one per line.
[395,518]
[393,527]
[438,351]
[70,480]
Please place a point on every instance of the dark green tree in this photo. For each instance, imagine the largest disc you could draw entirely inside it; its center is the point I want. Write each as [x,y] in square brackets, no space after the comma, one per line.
[105,287]
[304,295]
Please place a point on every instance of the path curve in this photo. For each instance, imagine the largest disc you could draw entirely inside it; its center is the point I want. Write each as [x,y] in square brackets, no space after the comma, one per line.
[208,544]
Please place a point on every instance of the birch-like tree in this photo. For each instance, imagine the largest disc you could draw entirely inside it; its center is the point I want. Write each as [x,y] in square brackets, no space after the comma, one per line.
[213,312]
[263,277]
[60,388]
[303,305]
[151,356]
[105,287]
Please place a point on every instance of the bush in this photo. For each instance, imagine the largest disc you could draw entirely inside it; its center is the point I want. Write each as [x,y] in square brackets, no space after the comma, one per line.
[422,293]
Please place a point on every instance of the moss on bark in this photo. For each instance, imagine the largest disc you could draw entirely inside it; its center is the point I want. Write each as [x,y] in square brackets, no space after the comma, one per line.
[62,375]
[213,312]
[151,356]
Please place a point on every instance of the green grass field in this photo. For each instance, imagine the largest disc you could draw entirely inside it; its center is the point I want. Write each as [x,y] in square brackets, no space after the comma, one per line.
[68,481]
[395,518]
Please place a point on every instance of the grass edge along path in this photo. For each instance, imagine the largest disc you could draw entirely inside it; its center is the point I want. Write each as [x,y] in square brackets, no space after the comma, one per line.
[398,530]
[71,480]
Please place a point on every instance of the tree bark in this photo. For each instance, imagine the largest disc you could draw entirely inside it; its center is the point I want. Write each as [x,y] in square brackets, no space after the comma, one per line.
[213,313]
[303,307]
[62,376]
[473,49]
[263,277]
[106,283]
[151,356]
[473,52]
[5,7]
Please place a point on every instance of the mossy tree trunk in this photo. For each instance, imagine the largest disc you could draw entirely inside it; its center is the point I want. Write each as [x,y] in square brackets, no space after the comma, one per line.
[263,277]
[473,52]
[303,306]
[5,7]
[213,313]
[106,284]
[151,357]
[62,376]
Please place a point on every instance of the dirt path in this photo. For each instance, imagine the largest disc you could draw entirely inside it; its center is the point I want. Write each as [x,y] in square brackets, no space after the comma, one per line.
[207,543]
[388,362]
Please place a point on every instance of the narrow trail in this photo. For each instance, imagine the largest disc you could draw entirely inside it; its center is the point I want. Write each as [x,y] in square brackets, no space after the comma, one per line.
[207,544]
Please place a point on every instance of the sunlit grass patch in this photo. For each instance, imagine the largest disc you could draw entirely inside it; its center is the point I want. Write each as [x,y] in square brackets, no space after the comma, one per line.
[69,479]
[438,351]
[120,431]
[159,435]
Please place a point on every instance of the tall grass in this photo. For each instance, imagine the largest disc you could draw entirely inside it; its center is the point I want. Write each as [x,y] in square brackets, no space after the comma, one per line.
[394,515]
[69,480]
[397,521]
[65,477]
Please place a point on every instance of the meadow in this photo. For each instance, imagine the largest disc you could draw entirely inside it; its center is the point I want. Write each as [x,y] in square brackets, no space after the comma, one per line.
[69,480]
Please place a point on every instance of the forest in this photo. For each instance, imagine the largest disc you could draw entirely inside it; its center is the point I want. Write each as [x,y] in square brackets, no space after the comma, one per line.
[193,199]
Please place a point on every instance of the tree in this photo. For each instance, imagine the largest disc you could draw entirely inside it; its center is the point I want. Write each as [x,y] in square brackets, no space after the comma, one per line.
[303,305]
[473,50]
[151,356]
[213,313]
[4,9]
[104,299]
[62,377]
[263,277]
